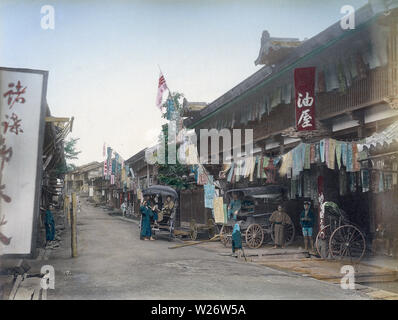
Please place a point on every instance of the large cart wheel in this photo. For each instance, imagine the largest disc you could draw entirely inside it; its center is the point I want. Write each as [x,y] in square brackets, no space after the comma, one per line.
[289,230]
[347,242]
[226,236]
[322,238]
[254,236]
[193,232]
[211,228]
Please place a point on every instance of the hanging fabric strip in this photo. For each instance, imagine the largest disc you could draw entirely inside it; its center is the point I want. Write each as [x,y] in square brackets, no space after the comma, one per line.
[344,153]
[312,153]
[332,150]
[355,163]
[338,154]
[231,172]
[322,149]
[317,153]
[327,152]
[265,165]
[349,158]
[307,156]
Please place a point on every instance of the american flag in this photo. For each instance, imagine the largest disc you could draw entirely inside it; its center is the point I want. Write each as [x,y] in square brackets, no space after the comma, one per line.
[162,87]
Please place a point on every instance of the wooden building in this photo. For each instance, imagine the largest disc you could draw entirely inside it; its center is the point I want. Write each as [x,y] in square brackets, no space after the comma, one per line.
[356,96]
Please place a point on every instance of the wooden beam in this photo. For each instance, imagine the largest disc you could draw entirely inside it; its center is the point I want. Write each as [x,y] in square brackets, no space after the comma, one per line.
[56,119]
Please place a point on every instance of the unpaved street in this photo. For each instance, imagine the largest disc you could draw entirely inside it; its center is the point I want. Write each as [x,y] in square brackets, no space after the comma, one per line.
[113,263]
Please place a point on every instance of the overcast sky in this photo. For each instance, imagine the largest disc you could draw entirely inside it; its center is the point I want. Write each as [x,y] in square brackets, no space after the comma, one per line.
[103,56]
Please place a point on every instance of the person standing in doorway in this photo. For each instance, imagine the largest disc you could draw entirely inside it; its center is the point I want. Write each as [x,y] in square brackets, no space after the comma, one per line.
[279,218]
[307,225]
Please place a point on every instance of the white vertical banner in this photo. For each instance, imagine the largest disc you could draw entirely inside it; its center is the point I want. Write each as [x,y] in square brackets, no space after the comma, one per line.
[22,112]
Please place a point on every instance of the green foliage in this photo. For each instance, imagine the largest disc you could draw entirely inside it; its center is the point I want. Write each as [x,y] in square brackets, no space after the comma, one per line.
[70,153]
[70,149]
[171,174]
[177,99]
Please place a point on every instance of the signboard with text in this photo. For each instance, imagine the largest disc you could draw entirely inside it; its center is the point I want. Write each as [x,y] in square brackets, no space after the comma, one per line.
[304,84]
[22,113]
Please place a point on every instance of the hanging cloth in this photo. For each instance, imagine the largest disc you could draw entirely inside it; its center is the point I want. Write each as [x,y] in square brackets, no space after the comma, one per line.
[286,164]
[253,164]
[259,166]
[355,163]
[307,156]
[317,153]
[231,172]
[265,165]
[338,153]
[312,153]
[327,152]
[349,158]
[332,151]
[344,153]
[322,149]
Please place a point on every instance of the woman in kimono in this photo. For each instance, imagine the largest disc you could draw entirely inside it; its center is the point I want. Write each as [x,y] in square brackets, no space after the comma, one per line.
[236,239]
[279,218]
[147,213]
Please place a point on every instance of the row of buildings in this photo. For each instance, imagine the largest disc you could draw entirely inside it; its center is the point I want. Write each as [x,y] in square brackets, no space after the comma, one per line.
[351,155]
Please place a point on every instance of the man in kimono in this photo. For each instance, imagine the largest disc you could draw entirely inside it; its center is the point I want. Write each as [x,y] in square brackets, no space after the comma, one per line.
[307,223]
[234,207]
[279,218]
[147,213]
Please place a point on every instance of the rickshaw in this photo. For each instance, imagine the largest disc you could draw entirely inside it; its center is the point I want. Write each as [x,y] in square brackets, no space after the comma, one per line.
[339,239]
[258,203]
[166,221]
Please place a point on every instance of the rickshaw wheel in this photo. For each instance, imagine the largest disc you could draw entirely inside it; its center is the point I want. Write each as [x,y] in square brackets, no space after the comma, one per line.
[347,242]
[290,232]
[193,233]
[211,228]
[224,238]
[323,234]
[254,236]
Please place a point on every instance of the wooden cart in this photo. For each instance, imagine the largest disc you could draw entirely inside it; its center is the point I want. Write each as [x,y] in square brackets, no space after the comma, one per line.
[258,203]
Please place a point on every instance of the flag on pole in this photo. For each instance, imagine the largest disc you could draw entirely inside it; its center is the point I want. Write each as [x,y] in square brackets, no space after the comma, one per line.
[162,87]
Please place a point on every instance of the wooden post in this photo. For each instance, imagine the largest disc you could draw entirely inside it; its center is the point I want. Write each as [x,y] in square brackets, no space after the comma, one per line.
[73,226]
[67,209]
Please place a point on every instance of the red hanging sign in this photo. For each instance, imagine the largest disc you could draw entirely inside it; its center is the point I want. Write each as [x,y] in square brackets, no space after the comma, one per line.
[304,84]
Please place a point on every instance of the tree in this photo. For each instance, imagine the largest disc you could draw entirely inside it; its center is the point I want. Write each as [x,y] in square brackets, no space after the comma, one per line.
[171,174]
[70,149]
[70,153]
